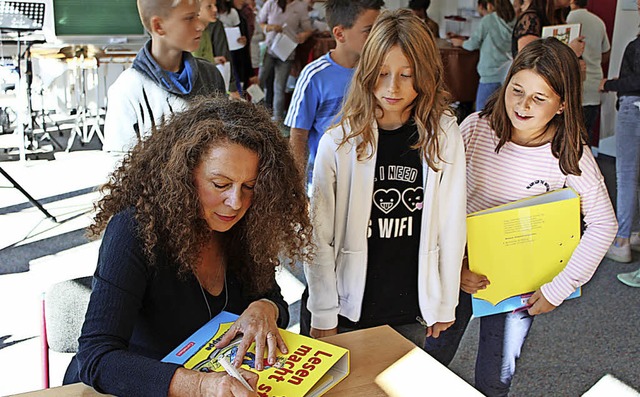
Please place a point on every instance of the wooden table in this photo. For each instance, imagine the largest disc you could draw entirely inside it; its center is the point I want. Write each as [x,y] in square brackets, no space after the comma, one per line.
[460,72]
[383,363]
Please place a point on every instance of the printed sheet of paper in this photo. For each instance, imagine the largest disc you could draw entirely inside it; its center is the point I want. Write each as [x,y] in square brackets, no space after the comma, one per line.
[565,33]
[225,71]
[256,93]
[233,34]
[283,46]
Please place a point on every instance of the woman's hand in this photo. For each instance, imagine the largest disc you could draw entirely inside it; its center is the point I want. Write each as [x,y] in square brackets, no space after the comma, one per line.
[471,282]
[321,333]
[221,384]
[539,304]
[220,60]
[436,328]
[186,382]
[256,324]
[274,28]
[242,40]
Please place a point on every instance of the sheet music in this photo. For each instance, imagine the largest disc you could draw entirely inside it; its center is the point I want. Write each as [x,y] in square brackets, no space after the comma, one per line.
[233,34]
[283,46]
[225,71]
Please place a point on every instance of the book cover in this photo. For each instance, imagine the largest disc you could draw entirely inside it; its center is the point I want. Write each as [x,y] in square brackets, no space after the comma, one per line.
[522,245]
[311,367]
[565,33]
[481,307]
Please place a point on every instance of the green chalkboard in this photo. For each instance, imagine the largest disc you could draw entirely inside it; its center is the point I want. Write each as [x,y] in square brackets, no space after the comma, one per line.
[96,17]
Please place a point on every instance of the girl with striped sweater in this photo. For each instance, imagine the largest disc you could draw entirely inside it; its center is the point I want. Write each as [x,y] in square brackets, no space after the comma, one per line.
[530,139]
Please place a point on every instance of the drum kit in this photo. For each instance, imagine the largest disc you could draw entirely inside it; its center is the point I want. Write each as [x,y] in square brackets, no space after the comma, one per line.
[79,65]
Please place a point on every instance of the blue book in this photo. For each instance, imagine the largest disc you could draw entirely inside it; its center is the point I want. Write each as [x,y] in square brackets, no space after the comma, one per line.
[483,308]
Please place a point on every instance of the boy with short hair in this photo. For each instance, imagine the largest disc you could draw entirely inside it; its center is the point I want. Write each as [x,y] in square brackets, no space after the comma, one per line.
[164,74]
[317,97]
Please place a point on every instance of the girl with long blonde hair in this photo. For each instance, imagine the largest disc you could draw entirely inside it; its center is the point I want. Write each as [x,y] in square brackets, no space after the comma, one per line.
[388,195]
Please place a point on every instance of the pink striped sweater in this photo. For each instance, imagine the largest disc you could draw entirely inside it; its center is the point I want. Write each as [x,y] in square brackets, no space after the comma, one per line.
[518,172]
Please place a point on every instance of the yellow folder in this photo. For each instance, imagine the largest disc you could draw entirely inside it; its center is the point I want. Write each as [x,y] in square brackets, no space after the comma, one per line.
[524,244]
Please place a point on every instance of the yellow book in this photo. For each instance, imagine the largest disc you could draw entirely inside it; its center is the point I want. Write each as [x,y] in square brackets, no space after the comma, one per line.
[522,245]
[310,369]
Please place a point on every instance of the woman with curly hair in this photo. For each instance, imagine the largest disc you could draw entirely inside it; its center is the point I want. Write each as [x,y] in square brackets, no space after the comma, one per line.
[194,222]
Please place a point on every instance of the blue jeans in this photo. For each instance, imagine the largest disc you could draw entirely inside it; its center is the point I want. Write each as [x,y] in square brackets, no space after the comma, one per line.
[627,163]
[501,339]
[484,92]
[273,78]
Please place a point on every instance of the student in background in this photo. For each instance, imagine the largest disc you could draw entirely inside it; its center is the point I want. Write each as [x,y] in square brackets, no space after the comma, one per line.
[493,38]
[213,43]
[534,15]
[289,17]
[229,11]
[420,7]
[627,86]
[596,53]
[388,202]
[529,140]
[183,220]
[164,74]
[317,98]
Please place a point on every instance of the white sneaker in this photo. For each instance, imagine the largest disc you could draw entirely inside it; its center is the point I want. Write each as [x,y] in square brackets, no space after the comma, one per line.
[631,279]
[634,241]
[619,254]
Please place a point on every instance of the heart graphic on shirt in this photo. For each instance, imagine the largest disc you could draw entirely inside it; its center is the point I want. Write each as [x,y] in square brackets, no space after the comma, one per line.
[386,200]
[412,198]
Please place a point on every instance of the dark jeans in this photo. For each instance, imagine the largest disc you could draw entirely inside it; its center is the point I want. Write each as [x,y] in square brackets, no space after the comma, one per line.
[590,113]
[414,332]
[501,339]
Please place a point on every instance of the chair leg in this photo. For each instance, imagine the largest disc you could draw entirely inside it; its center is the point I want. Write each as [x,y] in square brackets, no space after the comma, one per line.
[44,345]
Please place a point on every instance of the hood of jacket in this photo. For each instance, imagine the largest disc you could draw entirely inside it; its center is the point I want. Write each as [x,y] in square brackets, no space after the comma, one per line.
[147,65]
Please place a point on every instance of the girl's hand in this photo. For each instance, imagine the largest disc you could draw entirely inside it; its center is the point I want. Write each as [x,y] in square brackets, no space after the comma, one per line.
[220,60]
[234,95]
[471,282]
[577,45]
[220,384]
[457,41]
[539,304]
[274,28]
[256,324]
[242,40]
[436,328]
[321,333]
[601,86]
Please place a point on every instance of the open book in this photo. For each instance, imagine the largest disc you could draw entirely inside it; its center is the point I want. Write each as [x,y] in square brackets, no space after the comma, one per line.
[521,246]
[311,368]
[565,33]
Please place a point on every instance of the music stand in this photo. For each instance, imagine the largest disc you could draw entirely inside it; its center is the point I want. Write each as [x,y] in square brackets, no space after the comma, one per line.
[22,17]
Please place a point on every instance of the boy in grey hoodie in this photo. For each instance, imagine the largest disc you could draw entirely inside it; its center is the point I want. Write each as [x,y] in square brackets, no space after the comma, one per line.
[164,74]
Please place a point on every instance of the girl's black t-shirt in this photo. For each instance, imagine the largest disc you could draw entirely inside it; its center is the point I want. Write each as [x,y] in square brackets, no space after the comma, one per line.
[391,292]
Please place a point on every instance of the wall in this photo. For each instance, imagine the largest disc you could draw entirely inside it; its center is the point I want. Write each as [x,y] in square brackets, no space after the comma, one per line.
[625,30]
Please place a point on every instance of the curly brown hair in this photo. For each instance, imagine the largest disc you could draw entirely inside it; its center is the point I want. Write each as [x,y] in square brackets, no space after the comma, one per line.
[157,179]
